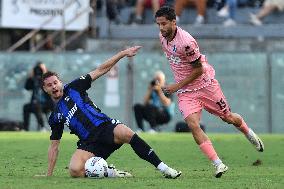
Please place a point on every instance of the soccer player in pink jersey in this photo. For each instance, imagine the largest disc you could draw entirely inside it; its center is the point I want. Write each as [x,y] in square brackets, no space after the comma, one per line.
[196,86]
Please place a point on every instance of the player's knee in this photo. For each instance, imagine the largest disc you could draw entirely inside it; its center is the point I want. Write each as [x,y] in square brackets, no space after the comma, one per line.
[122,134]
[76,172]
[228,118]
[128,136]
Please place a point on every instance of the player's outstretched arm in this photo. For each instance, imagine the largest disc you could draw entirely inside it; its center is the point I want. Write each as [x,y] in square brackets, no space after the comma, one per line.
[52,156]
[107,65]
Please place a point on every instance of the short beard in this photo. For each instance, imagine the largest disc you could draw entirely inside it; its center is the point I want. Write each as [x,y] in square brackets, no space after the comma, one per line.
[168,34]
[165,35]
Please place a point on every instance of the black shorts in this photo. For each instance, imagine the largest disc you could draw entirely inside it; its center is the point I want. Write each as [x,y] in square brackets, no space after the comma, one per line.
[103,146]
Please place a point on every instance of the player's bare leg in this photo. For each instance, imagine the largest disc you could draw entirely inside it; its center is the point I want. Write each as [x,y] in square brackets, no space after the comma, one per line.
[205,144]
[77,163]
[240,124]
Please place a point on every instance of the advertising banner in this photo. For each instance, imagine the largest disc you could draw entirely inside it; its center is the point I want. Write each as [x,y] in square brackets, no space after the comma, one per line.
[45,14]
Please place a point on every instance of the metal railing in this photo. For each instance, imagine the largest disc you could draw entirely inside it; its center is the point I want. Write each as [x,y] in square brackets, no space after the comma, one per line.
[54,34]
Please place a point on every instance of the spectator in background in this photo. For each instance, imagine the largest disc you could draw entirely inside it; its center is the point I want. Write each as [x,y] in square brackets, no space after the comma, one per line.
[268,7]
[200,5]
[113,8]
[141,5]
[42,41]
[49,45]
[229,12]
[157,108]
[40,102]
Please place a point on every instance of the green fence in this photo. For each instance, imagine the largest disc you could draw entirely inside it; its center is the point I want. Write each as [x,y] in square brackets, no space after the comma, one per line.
[252,83]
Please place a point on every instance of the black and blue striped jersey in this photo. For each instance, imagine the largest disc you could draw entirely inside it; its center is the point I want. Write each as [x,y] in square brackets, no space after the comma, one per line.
[76,111]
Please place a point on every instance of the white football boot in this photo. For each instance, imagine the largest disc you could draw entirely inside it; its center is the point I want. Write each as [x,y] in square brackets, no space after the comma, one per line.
[255,140]
[171,173]
[113,172]
[122,174]
[220,169]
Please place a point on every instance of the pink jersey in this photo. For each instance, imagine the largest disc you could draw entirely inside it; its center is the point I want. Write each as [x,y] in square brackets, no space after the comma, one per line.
[182,50]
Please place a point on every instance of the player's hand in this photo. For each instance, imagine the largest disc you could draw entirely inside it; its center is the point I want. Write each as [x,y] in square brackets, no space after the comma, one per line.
[40,175]
[132,51]
[43,175]
[169,89]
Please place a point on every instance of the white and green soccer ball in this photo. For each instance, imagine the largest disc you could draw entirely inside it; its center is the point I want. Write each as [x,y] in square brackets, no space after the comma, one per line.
[96,167]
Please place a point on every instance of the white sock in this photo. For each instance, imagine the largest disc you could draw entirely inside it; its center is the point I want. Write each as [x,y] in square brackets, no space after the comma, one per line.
[162,167]
[250,134]
[216,162]
[111,173]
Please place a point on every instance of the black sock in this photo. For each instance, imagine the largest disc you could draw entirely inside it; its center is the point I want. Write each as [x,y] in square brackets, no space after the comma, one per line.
[144,151]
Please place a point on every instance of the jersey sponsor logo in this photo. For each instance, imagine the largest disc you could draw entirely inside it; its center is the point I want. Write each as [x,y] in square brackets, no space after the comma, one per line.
[70,115]
[174,59]
[83,77]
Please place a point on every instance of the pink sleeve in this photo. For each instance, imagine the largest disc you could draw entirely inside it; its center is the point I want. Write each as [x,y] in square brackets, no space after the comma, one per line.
[191,50]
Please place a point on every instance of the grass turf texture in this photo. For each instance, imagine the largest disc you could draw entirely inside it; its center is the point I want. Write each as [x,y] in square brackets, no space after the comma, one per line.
[24,154]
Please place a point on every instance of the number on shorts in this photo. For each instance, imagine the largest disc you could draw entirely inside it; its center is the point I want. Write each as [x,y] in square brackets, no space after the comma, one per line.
[221,104]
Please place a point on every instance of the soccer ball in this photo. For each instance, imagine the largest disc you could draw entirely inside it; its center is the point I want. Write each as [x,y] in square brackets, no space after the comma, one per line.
[96,167]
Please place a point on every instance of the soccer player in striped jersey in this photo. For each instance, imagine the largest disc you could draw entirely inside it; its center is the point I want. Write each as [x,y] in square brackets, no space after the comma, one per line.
[99,135]
[196,86]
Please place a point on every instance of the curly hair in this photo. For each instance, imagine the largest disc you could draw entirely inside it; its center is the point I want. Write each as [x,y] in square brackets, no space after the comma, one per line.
[167,12]
[47,75]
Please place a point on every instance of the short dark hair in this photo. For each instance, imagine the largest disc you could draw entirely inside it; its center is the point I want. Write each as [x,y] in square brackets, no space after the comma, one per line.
[167,12]
[47,75]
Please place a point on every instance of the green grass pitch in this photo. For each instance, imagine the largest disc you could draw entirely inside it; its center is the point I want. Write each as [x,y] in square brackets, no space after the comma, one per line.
[24,154]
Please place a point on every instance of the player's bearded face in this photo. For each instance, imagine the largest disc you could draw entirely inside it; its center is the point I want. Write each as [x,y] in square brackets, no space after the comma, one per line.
[166,26]
[53,86]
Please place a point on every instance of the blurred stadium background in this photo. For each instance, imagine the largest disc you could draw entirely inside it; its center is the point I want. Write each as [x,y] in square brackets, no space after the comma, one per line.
[72,37]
